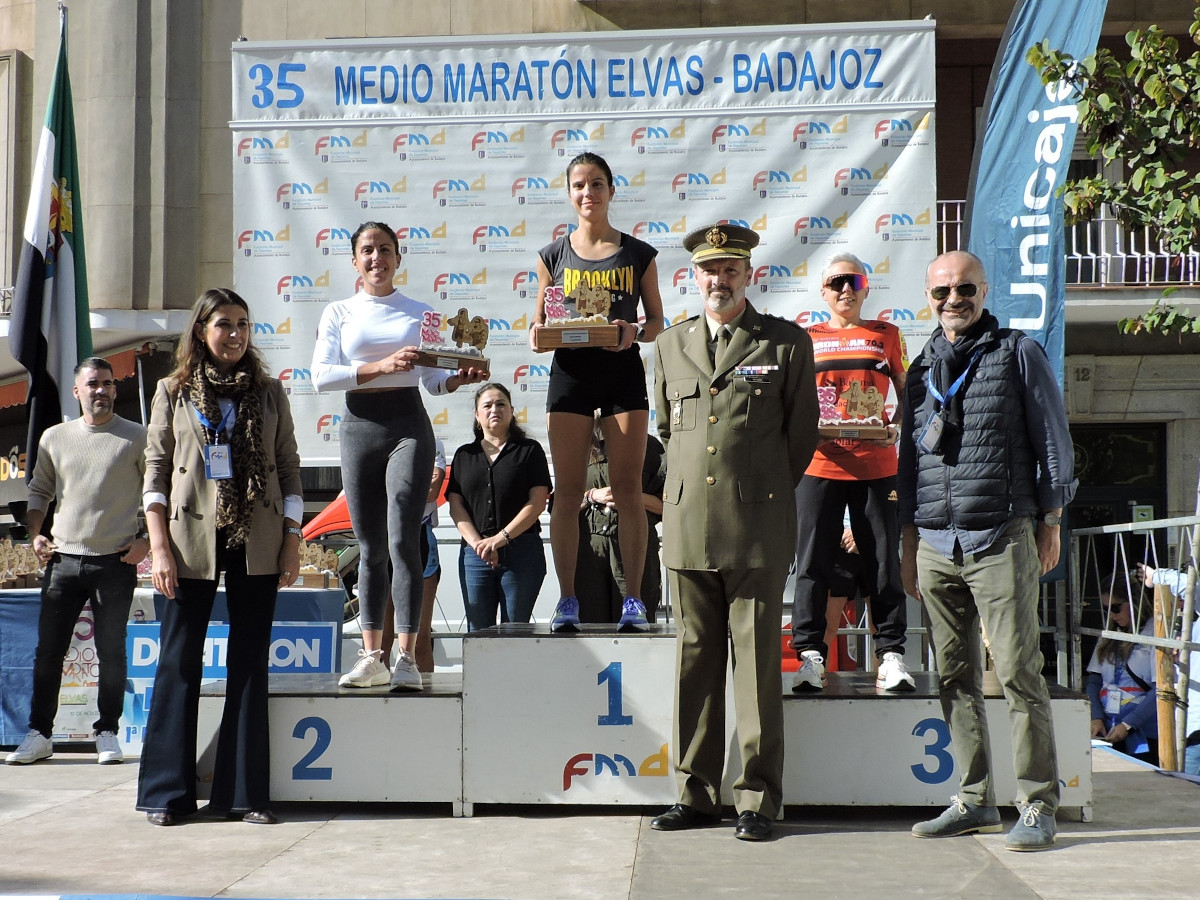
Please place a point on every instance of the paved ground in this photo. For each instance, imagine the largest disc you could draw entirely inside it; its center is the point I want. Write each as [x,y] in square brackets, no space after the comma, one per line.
[68,826]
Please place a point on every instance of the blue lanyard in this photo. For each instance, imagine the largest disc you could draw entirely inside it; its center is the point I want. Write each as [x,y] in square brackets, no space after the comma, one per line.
[958,383]
[219,427]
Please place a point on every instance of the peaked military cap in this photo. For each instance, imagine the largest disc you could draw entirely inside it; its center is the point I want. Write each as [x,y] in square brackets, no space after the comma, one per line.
[720,242]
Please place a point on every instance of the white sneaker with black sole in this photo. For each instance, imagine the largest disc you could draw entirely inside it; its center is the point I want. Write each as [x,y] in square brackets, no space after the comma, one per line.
[811,674]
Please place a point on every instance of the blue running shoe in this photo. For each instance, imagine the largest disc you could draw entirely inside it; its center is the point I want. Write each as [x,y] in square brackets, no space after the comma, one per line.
[566,615]
[633,616]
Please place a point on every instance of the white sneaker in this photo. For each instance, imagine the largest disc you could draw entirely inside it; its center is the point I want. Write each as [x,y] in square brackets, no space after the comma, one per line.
[108,749]
[35,746]
[811,674]
[892,674]
[405,676]
[367,672]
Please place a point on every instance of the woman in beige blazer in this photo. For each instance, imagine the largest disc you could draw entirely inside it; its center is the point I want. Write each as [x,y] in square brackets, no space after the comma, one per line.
[222,494]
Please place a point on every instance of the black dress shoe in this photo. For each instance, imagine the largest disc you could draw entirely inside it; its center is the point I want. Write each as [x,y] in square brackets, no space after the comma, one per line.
[260,817]
[753,826]
[161,818]
[681,816]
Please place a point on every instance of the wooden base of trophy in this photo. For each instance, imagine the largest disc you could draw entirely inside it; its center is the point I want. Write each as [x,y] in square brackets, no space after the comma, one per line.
[452,360]
[551,337]
[853,432]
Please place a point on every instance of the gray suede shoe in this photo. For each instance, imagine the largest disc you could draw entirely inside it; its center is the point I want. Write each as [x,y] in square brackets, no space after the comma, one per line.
[1033,831]
[960,818]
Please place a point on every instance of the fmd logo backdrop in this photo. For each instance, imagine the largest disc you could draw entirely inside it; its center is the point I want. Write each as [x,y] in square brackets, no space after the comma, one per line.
[820,138]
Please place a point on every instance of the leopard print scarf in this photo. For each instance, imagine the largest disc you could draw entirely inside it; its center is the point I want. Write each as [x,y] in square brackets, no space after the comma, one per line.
[236,496]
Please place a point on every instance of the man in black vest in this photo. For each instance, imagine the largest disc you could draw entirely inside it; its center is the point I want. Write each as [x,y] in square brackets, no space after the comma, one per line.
[986,467]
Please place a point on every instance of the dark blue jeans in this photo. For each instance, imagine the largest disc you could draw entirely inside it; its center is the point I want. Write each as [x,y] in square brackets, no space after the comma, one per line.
[70,582]
[242,773]
[512,587]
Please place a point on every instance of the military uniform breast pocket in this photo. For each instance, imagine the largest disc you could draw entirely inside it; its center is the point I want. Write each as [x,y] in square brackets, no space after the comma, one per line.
[683,394]
[756,396]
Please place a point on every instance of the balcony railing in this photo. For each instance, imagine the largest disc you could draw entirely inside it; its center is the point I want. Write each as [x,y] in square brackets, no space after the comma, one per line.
[1099,253]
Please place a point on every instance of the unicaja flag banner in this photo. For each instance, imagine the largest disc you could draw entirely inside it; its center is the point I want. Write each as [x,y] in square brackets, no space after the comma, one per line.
[1014,218]
[820,138]
[51,331]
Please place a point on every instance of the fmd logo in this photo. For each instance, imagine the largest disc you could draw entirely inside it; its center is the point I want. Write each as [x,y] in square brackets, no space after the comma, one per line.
[859,181]
[341,148]
[257,149]
[508,333]
[737,137]
[297,380]
[821,133]
[302,195]
[525,283]
[659,138]
[420,145]
[259,243]
[496,238]
[616,764]
[902,226]
[631,189]
[460,192]
[572,141]
[420,240]
[329,426]
[333,241]
[532,377]
[460,286]
[562,228]
[821,229]
[775,278]
[537,191]
[659,233]
[682,280]
[499,144]
[273,335]
[296,287]
[699,185]
[379,194]
[780,184]
[807,317]
[903,132]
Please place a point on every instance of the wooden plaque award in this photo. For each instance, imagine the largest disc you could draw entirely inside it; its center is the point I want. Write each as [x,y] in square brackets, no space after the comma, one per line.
[434,353]
[589,329]
[854,414]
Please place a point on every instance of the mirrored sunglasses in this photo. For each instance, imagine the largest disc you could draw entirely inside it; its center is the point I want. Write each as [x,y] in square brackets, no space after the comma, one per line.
[964,290]
[838,283]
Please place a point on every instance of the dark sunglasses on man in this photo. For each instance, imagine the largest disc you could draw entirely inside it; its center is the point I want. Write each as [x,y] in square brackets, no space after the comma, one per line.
[966,290]
[838,283]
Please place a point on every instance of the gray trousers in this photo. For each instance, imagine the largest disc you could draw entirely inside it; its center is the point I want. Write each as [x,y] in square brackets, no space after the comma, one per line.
[387,462]
[998,587]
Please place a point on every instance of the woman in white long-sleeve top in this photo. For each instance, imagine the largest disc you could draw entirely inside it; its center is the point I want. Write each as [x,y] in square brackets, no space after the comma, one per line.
[367,346]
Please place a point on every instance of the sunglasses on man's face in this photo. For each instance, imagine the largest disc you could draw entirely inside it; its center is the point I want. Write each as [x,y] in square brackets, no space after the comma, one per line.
[838,283]
[965,290]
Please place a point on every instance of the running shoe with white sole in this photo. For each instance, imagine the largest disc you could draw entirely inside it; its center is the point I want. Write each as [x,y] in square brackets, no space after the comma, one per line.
[367,672]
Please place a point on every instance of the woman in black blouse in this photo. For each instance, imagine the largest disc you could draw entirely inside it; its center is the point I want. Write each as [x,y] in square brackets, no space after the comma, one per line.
[498,487]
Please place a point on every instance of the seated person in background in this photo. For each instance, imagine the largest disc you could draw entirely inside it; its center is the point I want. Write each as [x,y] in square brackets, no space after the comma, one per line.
[1120,682]
[600,574]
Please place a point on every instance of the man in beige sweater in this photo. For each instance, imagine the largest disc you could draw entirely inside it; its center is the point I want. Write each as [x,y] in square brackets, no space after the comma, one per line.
[93,467]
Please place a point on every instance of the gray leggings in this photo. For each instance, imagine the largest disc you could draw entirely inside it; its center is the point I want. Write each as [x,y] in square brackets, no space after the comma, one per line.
[387,461]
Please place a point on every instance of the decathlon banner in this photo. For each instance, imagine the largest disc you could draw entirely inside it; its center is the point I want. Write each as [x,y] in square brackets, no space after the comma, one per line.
[820,138]
[1014,216]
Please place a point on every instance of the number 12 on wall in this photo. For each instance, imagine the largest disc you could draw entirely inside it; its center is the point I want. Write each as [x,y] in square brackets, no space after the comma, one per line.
[612,675]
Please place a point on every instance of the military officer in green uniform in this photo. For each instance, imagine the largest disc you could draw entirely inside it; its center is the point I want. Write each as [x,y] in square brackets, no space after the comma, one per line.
[736,407]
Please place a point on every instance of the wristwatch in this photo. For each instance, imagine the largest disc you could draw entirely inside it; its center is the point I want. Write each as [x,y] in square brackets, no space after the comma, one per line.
[292,529]
[1051,519]
[639,332]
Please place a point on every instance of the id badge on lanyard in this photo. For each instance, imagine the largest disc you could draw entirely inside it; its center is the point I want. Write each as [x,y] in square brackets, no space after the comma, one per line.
[218,458]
